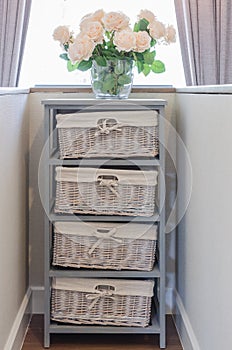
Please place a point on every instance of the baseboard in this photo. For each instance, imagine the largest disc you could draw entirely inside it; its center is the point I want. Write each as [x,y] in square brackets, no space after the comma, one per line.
[38,300]
[183,324]
[20,325]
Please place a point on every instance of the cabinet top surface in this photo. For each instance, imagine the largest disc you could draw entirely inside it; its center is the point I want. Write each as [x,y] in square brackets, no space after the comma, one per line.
[91,101]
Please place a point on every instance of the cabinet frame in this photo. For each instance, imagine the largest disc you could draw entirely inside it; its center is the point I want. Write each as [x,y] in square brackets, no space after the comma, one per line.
[49,159]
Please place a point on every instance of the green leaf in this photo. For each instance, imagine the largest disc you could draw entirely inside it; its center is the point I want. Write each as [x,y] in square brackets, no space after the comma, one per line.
[158,67]
[153,42]
[139,66]
[97,85]
[142,24]
[109,82]
[119,68]
[149,57]
[146,69]
[124,79]
[84,65]
[71,67]
[101,61]
[64,56]
[136,27]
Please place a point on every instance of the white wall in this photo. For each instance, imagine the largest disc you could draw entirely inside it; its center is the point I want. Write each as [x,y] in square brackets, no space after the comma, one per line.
[13,208]
[204,278]
[36,210]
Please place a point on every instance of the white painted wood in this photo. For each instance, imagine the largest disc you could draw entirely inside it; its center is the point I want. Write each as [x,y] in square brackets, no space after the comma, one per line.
[20,324]
[183,325]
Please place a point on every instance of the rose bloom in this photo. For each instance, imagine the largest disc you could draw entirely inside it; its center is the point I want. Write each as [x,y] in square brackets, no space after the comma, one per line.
[157,30]
[170,35]
[143,41]
[92,17]
[61,34]
[95,31]
[125,40]
[148,15]
[81,49]
[115,21]
[98,15]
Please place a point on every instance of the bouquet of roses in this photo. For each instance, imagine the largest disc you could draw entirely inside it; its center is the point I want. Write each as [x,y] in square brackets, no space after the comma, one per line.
[109,36]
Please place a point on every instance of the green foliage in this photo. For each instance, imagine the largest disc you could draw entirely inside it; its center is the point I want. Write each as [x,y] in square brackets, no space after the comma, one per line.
[64,56]
[71,67]
[158,67]
[113,77]
[149,57]
[124,79]
[101,61]
[142,24]
[85,65]
[146,69]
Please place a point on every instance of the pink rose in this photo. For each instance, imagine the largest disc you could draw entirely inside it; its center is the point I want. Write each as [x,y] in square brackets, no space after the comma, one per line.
[62,34]
[170,35]
[125,40]
[95,31]
[157,30]
[81,49]
[148,15]
[143,41]
[115,21]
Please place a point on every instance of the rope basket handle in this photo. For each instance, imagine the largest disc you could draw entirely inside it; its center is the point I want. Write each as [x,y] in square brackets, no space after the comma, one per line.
[105,126]
[109,181]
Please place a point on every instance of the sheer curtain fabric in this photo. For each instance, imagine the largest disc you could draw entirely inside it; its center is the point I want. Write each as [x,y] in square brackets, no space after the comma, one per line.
[14,16]
[205,31]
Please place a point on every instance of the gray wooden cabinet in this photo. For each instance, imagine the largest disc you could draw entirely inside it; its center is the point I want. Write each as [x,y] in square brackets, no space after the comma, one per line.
[50,159]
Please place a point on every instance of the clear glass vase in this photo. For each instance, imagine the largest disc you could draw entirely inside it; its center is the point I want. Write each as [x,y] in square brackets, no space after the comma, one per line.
[113,80]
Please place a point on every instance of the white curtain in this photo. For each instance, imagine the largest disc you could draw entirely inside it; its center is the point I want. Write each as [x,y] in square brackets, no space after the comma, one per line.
[205,31]
[14,16]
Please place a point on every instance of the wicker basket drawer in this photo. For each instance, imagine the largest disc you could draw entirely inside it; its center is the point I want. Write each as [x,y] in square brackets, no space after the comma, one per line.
[114,246]
[108,134]
[113,302]
[105,191]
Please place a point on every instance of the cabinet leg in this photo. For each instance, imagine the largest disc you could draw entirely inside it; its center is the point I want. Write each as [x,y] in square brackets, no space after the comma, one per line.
[46,340]
[162,340]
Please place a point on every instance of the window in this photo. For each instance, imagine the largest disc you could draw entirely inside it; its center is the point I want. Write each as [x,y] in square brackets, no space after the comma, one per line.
[42,65]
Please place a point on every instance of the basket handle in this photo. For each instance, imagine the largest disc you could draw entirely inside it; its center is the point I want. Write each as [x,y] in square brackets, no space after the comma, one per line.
[101,290]
[105,126]
[111,182]
[105,288]
[102,234]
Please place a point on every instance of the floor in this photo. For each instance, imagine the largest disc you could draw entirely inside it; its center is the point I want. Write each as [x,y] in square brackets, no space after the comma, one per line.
[34,339]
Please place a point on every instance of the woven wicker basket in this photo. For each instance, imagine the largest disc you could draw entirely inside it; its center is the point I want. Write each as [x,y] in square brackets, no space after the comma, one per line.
[114,302]
[127,246]
[108,134]
[105,191]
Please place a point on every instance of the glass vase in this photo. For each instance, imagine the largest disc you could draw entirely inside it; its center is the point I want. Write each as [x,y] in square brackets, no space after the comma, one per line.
[113,80]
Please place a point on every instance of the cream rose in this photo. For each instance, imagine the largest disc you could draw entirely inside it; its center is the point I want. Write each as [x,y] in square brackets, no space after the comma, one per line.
[148,15]
[125,40]
[98,15]
[62,34]
[143,41]
[170,35]
[95,31]
[157,30]
[92,17]
[115,21]
[81,49]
